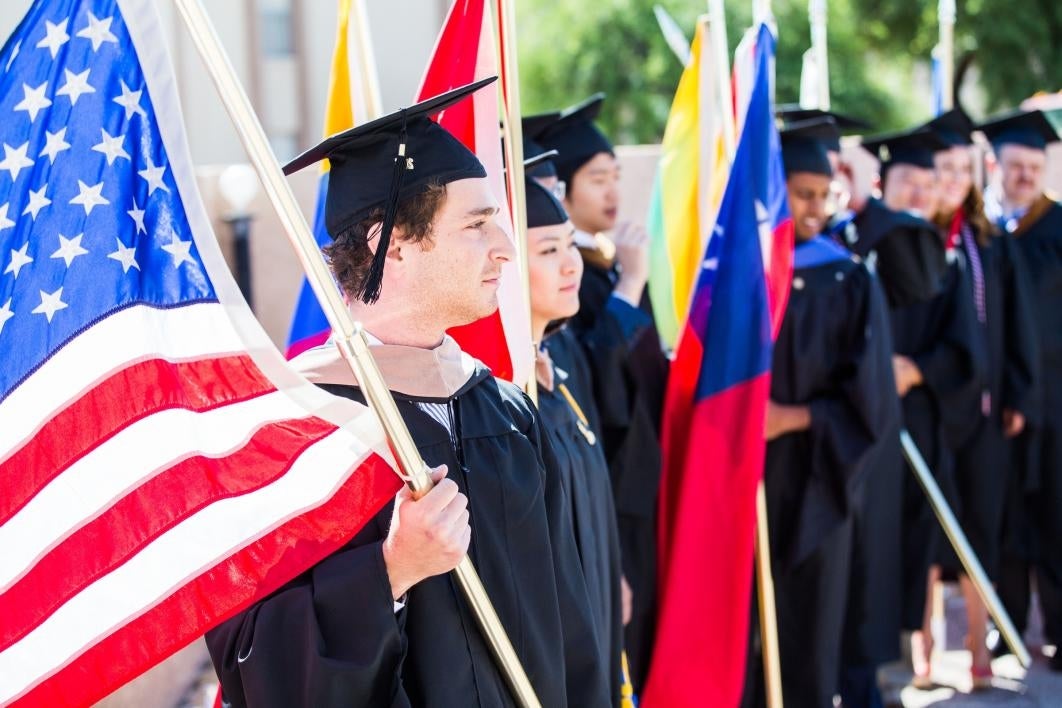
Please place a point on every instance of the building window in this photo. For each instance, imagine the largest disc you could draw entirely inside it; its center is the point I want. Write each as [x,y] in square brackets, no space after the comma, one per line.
[277,37]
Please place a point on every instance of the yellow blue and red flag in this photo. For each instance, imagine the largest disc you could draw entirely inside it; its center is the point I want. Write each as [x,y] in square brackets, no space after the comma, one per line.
[349,77]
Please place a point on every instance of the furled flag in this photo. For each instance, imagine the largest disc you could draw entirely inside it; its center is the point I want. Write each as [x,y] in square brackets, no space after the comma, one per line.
[744,76]
[810,77]
[687,190]
[465,52]
[352,76]
[713,444]
[937,80]
[161,467]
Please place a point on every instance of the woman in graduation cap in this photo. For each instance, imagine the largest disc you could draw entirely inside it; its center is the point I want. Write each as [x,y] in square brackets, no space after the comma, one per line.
[615,327]
[417,250]
[569,415]
[1007,344]
[937,370]
[830,404]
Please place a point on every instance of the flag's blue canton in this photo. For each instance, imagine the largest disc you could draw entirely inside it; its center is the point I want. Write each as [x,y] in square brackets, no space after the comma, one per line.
[730,311]
[90,218]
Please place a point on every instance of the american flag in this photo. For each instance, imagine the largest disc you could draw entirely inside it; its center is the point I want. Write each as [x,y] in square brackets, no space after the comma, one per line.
[161,468]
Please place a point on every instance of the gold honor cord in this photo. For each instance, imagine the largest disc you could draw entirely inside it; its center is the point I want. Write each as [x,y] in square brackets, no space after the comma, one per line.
[580,417]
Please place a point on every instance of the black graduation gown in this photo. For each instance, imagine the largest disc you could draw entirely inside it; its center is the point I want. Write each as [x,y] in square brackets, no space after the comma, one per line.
[940,337]
[1038,240]
[629,374]
[1007,342]
[833,354]
[896,246]
[584,472]
[332,638]
[907,258]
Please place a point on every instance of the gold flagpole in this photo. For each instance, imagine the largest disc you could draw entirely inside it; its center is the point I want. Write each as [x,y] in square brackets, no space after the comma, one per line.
[351,340]
[962,547]
[504,22]
[772,664]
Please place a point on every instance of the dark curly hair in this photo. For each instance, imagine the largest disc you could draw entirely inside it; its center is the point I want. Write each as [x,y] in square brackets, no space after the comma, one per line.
[349,254]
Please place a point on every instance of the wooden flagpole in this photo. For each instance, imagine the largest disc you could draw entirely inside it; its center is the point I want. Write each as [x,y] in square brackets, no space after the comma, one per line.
[351,339]
[504,22]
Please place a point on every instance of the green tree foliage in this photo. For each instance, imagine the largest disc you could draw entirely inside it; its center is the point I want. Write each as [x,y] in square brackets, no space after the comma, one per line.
[570,49]
[1016,46]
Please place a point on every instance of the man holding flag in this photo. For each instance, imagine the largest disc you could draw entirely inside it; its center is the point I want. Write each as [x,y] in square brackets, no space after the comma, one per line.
[417,249]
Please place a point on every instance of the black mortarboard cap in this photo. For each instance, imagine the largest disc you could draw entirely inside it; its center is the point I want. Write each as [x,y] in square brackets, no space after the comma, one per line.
[805,145]
[791,113]
[543,208]
[574,135]
[794,113]
[531,127]
[534,163]
[382,162]
[910,147]
[953,127]
[1029,128]
[543,159]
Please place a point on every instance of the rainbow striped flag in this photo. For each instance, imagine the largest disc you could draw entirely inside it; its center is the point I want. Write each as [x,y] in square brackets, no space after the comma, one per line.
[687,191]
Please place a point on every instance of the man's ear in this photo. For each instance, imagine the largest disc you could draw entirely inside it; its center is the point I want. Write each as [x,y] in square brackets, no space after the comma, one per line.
[394,249]
[373,240]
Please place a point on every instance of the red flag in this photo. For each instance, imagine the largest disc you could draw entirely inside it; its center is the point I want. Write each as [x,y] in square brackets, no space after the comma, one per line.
[465,52]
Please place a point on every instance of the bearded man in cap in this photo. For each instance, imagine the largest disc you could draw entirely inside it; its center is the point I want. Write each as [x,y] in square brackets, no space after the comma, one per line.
[1033,220]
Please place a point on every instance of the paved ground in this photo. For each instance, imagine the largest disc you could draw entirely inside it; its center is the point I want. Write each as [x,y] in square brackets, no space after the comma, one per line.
[187,680]
[1013,687]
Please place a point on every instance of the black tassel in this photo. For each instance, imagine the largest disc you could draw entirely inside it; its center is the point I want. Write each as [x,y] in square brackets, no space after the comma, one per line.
[370,290]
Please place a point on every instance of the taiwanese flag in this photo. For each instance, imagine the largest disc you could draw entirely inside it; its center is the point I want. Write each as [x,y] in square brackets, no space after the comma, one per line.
[466,51]
[713,444]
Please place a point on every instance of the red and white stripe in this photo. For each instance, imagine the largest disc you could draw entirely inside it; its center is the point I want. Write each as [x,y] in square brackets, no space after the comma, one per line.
[161,497]
[164,470]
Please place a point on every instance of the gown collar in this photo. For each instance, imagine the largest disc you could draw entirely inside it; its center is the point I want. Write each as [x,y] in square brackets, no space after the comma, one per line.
[438,373]
[818,251]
